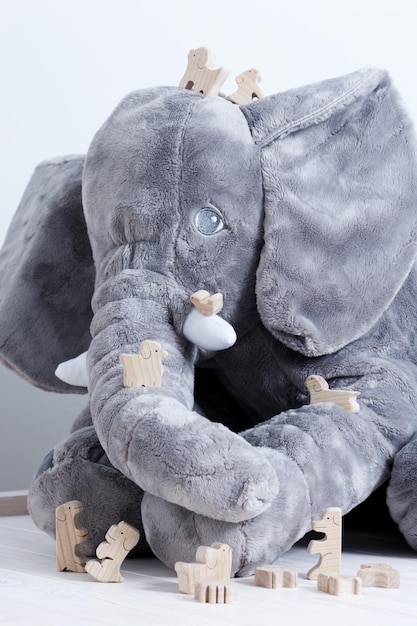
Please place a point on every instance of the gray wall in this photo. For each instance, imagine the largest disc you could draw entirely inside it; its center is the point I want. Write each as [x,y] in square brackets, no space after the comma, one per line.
[32,421]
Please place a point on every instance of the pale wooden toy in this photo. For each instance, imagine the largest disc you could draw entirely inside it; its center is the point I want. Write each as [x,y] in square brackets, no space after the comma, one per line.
[247,87]
[330,547]
[68,537]
[320,392]
[275,577]
[200,75]
[216,592]
[379,575]
[213,563]
[336,585]
[120,539]
[207,304]
[144,369]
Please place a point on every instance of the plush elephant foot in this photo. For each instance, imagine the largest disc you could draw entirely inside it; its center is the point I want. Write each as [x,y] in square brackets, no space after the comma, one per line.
[174,533]
[78,469]
[402,494]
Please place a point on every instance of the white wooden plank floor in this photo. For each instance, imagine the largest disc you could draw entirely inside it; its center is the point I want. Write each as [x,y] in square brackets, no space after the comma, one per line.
[33,593]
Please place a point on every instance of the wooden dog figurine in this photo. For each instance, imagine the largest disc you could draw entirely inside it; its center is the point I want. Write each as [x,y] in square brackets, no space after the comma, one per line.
[69,536]
[144,369]
[320,392]
[213,564]
[199,75]
[120,539]
[247,87]
[330,547]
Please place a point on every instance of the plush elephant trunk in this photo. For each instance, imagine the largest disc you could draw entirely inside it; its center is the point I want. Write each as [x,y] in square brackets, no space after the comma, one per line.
[151,434]
[132,212]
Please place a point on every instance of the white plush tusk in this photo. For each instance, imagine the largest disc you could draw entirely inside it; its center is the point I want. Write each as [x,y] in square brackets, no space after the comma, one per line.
[74,371]
[208,332]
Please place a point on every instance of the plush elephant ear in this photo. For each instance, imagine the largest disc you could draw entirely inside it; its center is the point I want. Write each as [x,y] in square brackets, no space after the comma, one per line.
[47,276]
[340,192]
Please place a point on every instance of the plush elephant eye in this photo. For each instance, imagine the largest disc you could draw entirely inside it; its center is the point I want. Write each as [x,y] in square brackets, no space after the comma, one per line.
[209,221]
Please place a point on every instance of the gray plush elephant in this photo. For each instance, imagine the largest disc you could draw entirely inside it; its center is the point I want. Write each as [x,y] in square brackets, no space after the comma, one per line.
[301,209]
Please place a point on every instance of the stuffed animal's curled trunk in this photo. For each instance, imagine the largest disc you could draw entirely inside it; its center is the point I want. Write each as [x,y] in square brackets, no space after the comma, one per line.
[151,434]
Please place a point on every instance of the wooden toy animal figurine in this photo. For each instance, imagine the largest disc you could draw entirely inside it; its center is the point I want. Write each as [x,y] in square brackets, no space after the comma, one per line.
[336,585]
[69,536]
[120,539]
[204,327]
[207,304]
[199,75]
[216,592]
[320,392]
[248,87]
[144,369]
[212,563]
[379,575]
[330,547]
[275,577]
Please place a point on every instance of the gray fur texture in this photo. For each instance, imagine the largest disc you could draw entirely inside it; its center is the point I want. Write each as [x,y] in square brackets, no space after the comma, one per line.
[315,196]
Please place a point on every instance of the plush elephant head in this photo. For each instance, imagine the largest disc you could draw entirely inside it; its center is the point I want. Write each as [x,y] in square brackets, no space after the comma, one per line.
[299,208]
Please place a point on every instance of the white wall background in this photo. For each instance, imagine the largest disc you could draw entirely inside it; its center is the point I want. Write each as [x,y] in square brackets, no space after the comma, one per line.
[65,65]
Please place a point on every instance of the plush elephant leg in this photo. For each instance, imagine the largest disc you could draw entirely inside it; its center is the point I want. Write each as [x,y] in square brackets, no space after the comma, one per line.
[401,492]
[323,456]
[78,469]
[174,533]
